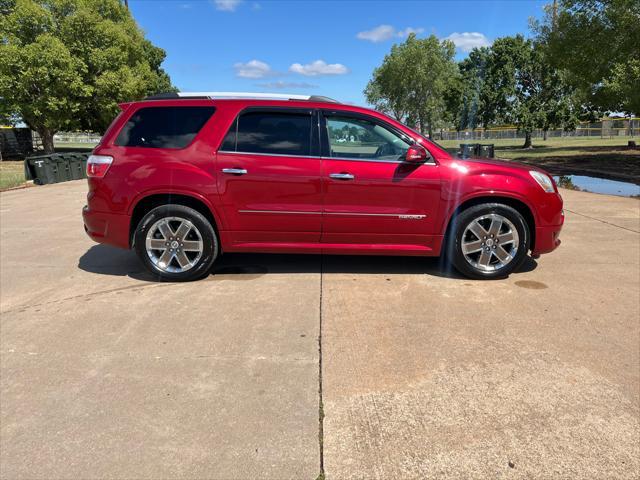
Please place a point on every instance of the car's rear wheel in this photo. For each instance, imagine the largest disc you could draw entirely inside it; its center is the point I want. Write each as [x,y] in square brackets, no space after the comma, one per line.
[176,243]
[488,241]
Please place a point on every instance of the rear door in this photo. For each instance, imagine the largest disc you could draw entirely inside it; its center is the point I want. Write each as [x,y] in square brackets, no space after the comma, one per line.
[372,196]
[269,176]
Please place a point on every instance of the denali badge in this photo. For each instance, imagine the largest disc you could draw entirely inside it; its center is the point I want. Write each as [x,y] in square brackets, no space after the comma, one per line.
[411,217]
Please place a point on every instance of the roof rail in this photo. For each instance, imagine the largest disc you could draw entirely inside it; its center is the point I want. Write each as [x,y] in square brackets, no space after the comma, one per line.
[239,95]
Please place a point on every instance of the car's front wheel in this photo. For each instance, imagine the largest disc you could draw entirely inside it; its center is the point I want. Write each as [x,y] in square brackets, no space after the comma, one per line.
[488,241]
[176,243]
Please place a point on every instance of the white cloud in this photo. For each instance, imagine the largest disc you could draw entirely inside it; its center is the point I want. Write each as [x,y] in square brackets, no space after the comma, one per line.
[379,34]
[279,85]
[409,30]
[252,69]
[382,33]
[227,5]
[317,68]
[467,41]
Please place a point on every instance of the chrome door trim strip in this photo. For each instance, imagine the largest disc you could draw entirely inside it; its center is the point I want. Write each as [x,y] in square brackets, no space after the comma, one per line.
[401,216]
[285,212]
[397,215]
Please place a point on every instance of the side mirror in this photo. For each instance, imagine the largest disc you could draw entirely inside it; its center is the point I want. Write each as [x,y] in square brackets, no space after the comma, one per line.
[416,154]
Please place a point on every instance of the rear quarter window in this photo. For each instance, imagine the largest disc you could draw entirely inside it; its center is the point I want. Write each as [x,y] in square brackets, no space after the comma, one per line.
[163,127]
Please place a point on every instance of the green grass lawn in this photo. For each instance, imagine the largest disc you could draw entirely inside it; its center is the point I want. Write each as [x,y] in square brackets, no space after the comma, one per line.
[74,147]
[569,144]
[591,156]
[11,174]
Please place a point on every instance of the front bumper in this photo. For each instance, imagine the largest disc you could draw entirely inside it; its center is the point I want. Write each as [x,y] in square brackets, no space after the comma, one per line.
[547,239]
[109,228]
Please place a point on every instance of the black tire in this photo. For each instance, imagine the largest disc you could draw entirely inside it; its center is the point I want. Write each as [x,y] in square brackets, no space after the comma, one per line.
[210,244]
[464,219]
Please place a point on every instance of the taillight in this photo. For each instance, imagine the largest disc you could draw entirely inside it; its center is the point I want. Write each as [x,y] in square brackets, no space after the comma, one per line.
[97,165]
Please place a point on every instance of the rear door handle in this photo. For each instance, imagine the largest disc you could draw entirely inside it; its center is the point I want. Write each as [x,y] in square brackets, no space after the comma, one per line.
[235,171]
[342,176]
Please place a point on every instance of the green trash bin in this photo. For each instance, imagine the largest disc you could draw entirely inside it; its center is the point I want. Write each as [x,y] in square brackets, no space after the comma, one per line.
[29,173]
[84,158]
[468,150]
[42,169]
[76,166]
[63,171]
[487,151]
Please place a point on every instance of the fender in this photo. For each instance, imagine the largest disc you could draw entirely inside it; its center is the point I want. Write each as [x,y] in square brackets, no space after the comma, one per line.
[172,190]
[452,206]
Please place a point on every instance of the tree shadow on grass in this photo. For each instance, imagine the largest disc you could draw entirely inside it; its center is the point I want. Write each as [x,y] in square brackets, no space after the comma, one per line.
[106,260]
[623,168]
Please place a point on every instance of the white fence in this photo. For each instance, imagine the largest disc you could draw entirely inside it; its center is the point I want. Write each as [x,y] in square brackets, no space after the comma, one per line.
[76,137]
[606,128]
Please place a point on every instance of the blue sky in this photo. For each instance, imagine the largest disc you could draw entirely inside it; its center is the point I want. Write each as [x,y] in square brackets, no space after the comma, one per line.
[309,47]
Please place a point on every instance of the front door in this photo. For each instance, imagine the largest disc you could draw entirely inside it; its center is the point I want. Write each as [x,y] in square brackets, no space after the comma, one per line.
[371,195]
[269,177]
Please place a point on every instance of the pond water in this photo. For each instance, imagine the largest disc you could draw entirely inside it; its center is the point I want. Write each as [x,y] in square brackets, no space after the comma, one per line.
[598,185]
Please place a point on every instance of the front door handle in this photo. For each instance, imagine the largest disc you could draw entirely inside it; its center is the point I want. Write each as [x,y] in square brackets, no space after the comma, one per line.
[342,176]
[235,171]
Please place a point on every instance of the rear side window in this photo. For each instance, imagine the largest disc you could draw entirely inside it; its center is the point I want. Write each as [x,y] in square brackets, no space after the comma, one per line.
[163,127]
[277,133]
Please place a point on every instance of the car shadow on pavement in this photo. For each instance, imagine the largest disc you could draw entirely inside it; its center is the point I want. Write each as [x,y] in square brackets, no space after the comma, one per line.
[106,260]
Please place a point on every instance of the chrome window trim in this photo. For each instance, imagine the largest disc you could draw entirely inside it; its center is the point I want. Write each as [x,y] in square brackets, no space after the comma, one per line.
[269,154]
[326,158]
[371,160]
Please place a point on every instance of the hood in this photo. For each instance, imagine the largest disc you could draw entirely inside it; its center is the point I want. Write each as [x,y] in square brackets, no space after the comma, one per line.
[503,163]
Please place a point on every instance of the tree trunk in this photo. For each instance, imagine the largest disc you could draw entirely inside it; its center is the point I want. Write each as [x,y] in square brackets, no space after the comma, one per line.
[47,140]
[430,128]
[544,135]
[527,140]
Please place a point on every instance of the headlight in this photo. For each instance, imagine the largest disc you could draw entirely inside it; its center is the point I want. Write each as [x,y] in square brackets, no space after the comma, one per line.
[543,180]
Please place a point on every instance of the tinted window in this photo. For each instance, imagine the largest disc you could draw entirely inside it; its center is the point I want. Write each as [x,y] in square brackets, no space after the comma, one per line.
[359,138]
[163,127]
[274,132]
[229,142]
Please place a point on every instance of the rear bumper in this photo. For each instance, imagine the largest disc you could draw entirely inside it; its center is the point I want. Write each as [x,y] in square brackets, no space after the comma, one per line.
[547,239]
[109,228]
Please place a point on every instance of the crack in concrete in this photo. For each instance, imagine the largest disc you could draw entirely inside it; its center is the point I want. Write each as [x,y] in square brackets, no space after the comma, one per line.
[321,476]
[602,221]
[84,295]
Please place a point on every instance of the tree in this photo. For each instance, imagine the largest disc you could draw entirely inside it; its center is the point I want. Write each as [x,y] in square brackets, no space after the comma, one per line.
[597,43]
[65,64]
[521,87]
[387,91]
[466,95]
[412,81]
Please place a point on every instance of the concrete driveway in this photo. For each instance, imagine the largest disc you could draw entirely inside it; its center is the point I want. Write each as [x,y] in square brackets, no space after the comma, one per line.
[420,374]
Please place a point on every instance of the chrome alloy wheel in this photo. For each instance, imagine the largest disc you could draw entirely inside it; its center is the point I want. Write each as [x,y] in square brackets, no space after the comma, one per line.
[174,244]
[490,242]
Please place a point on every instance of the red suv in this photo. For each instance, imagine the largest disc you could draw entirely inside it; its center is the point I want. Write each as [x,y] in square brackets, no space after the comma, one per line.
[182,178]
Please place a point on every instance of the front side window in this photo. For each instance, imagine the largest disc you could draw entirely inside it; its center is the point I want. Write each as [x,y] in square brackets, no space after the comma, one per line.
[363,139]
[276,133]
[163,127]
